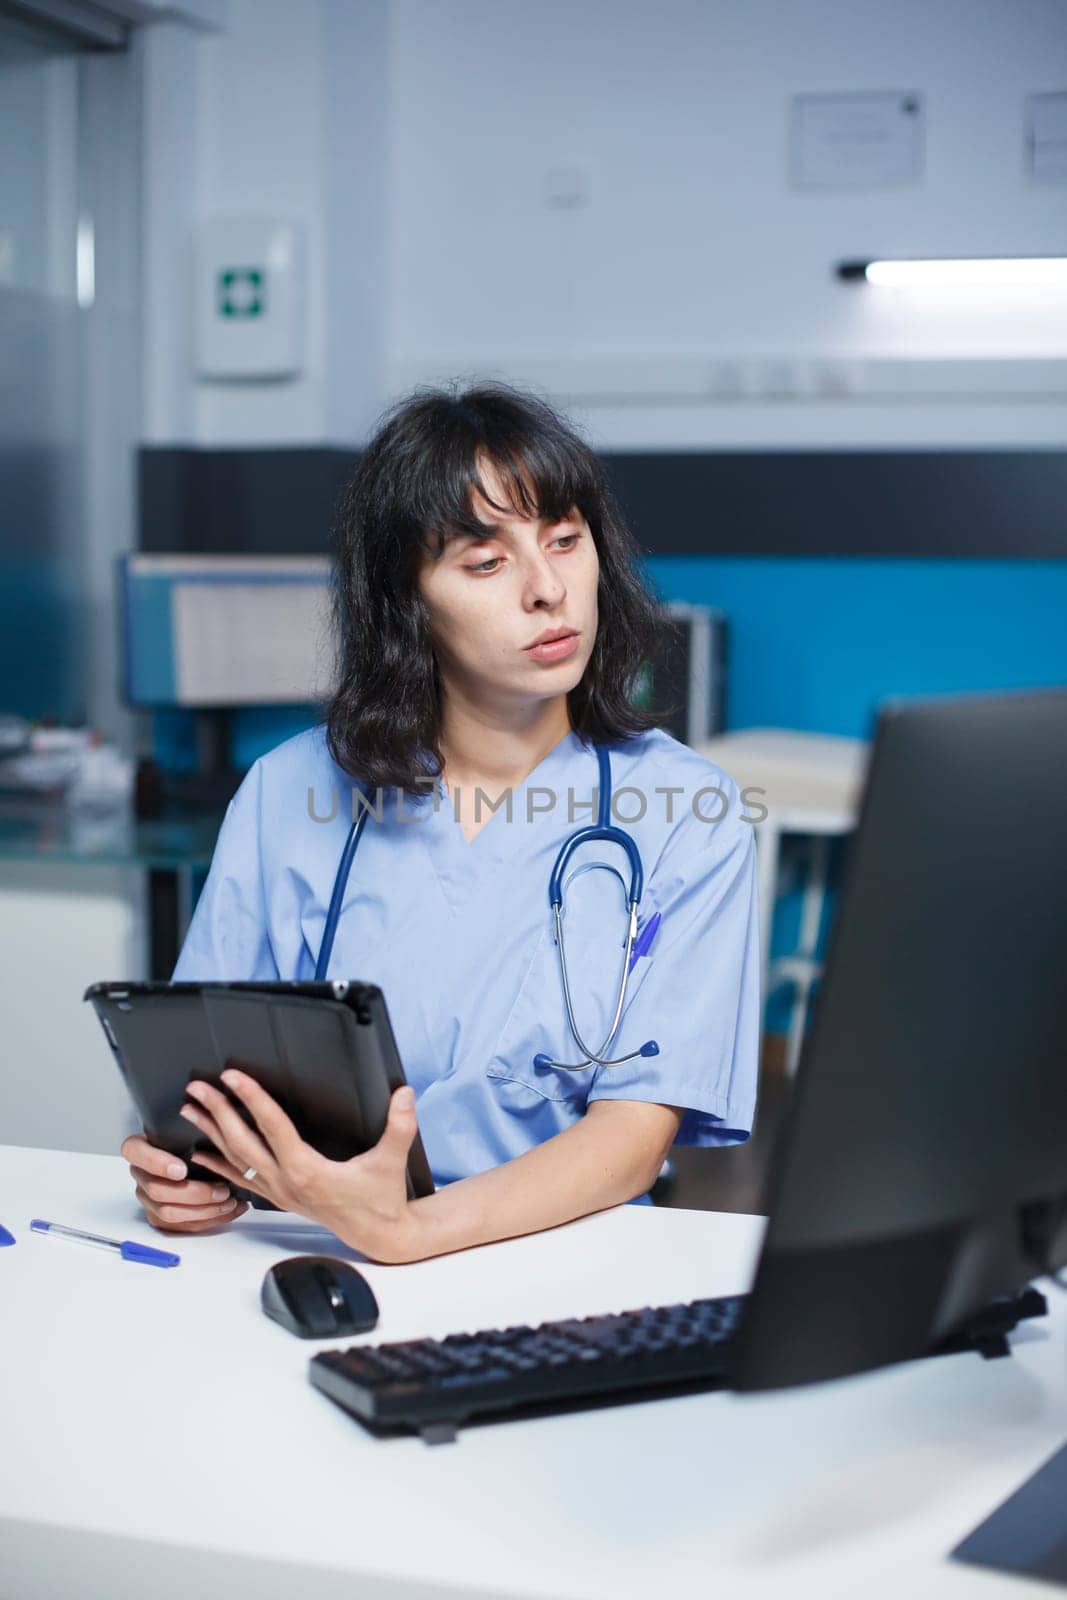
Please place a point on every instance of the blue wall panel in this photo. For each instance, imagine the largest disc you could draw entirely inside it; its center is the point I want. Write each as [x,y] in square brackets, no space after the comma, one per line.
[816,642]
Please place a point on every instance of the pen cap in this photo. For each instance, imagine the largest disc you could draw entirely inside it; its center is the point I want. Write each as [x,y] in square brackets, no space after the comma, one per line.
[132,1251]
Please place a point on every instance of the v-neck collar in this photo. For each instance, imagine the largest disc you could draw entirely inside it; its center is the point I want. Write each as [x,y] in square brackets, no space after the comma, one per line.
[460,865]
[561,750]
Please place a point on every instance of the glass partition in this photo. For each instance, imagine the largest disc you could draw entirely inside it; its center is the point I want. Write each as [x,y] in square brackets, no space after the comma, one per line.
[41,541]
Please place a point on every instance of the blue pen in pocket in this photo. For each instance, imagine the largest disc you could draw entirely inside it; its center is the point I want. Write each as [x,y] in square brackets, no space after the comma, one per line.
[643,942]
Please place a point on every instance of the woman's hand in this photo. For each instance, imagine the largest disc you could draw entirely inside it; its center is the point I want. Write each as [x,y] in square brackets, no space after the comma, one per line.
[172,1203]
[363,1201]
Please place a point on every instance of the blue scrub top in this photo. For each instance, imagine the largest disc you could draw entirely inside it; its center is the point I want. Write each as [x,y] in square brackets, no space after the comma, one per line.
[458,935]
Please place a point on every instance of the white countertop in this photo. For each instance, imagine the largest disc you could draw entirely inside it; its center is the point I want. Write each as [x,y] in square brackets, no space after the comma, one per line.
[160,1437]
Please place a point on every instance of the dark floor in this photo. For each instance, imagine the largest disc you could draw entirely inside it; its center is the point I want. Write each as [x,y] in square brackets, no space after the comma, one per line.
[731,1178]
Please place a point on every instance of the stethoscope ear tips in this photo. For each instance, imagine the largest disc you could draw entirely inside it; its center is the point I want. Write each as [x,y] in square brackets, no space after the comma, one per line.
[649,1048]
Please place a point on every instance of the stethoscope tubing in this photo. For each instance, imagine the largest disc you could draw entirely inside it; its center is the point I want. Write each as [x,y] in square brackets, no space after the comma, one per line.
[602,830]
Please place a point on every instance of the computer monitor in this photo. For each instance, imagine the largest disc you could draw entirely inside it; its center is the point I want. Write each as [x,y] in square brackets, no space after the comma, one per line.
[684,679]
[222,631]
[922,1171]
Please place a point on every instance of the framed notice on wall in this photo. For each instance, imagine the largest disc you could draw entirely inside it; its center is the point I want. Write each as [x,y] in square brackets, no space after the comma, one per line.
[856,141]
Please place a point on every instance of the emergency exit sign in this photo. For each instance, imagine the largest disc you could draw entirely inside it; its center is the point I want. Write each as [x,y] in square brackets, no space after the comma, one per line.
[241,292]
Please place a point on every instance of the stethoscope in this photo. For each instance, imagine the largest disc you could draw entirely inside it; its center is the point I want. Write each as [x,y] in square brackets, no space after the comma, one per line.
[602,829]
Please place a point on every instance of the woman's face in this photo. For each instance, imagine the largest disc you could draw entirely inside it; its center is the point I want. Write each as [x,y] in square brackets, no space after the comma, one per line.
[489,600]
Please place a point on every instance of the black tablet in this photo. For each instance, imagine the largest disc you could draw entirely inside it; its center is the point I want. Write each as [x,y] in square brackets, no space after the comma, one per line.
[324,1051]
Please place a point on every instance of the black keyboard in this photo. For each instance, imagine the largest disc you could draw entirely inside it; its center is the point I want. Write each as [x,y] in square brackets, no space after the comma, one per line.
[431,1386]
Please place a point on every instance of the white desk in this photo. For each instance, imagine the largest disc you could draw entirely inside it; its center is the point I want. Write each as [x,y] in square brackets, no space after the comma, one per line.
[160,1438]
[811,784]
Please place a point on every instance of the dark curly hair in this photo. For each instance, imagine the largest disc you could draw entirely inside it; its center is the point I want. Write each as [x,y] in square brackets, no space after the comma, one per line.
[411,492]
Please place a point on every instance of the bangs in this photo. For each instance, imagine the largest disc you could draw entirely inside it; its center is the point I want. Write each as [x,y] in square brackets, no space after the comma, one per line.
[541,469]
[416,485]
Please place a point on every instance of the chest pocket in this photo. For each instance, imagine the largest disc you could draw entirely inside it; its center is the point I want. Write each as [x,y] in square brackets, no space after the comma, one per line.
[537,1022]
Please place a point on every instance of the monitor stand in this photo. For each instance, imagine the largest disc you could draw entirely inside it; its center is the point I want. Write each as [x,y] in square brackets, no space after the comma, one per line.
[1028,1533]
[987,1331]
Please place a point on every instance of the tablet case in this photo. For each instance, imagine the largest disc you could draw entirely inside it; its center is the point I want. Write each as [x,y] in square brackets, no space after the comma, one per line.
[325,1051]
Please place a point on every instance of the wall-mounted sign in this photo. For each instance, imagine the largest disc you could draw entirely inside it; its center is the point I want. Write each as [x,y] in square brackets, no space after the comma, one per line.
[249,296]
[856,141]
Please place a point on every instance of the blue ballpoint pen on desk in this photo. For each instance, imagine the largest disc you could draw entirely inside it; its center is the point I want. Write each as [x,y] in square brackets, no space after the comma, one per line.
[643,942]
[128,1249]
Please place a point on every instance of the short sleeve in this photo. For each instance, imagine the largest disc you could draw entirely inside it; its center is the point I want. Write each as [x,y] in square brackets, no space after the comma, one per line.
[700,999]
[228,937]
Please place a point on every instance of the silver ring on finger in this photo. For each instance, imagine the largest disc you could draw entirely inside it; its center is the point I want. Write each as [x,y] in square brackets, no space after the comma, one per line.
[248,1174]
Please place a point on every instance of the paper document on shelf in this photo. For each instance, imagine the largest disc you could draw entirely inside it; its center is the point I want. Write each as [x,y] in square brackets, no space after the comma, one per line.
[251,643]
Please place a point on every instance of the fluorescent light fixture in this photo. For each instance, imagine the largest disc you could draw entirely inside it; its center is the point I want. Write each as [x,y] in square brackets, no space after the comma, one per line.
[961,272]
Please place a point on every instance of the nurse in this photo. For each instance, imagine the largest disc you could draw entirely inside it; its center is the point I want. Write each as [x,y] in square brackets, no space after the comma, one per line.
[491,622]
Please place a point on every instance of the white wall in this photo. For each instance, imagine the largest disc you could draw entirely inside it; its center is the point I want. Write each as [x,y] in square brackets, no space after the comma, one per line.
[415,138]
[693,245]
[279,114]
[261,151]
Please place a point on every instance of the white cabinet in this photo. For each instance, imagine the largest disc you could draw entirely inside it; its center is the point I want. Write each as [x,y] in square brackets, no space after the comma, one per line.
[64,925]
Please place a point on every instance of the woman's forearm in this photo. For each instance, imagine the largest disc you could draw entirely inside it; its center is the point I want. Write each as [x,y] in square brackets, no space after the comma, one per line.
[610,1156]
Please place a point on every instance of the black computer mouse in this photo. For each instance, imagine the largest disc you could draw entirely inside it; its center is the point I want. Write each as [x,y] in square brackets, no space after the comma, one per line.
[318,1297]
